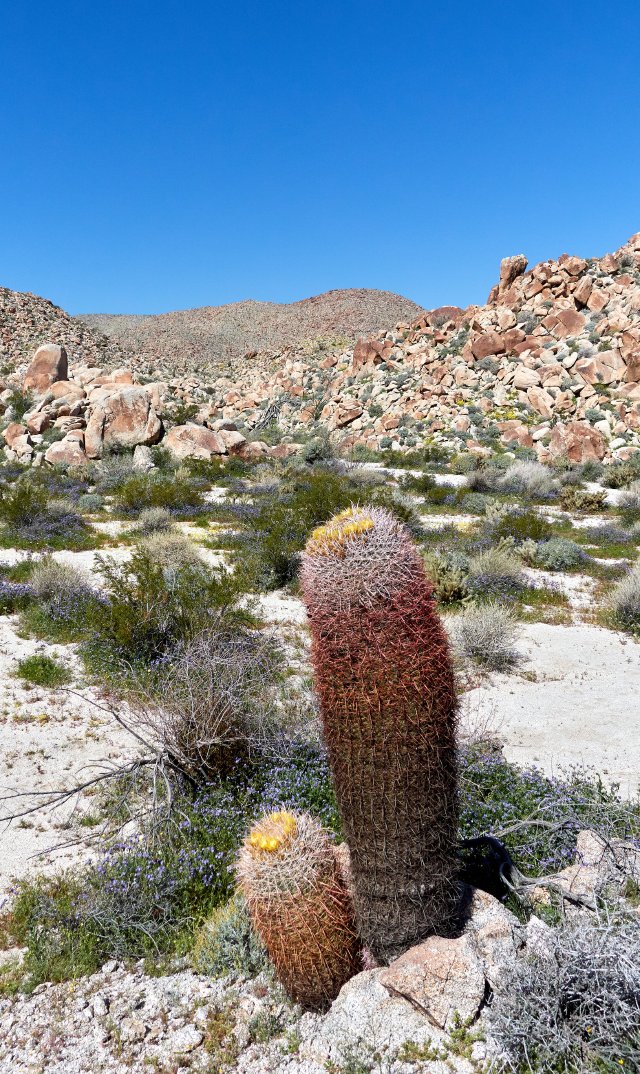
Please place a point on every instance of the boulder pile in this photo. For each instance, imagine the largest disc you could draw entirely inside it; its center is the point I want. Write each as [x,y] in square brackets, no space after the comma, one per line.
[551,363]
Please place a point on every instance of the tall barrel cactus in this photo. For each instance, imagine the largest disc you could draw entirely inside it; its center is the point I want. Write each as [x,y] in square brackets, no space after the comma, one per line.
[388,705]
[293,884]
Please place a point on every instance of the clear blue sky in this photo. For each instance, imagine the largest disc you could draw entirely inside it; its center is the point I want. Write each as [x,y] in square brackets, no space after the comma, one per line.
[163,155]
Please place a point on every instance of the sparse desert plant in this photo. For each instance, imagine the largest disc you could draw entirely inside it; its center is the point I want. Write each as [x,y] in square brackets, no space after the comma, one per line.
[495,573]
[63,600]
[487,634]
[521,525]
[630,498]
[576,1005]
[215,703]
[90,502]
[620,474]
[170,550]
[154,520]
[573,498]
[625,601]
[388,706]
[528,478]
[112,471]
[227,943]
[41,670]
[485,479]
[296,894]
[448,576]
[560,554]
[33,518]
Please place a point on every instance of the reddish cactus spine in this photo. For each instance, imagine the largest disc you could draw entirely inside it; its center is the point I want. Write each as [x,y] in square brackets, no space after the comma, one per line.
[387,696]
[293,884]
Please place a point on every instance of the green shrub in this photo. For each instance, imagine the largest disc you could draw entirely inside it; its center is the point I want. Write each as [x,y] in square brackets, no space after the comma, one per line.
[227,943]
[90,502]
[177,494]
[577,499]
[560,554]
[620,474]
[20,403]
[41,670]
[522,526]
[474,503]
[448,576]
[150,610]
[33,519]
[495,574]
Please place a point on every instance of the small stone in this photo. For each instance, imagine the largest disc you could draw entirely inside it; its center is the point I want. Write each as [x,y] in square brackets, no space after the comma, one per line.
[185,1040]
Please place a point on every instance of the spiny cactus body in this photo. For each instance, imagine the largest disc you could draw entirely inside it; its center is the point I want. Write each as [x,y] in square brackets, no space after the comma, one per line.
[299,905]
[387,697]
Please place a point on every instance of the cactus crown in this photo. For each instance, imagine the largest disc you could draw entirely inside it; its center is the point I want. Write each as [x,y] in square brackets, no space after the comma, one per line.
[332,537]
[271,833]
[357,559]
[284,853]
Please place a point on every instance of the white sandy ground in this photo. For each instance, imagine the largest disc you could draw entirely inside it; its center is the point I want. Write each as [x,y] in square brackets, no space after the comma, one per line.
[48,739]
[581,705]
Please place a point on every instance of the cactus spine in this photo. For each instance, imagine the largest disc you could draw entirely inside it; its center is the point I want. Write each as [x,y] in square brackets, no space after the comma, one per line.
[387,697]
[291,879]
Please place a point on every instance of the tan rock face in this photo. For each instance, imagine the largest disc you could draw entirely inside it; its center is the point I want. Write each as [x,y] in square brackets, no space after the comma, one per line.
[67,452]
[440,976]
[13,432]
[486,344]
[578,441]
[510,269]
[525,378]
[194,442]
[48,365]
[126,419]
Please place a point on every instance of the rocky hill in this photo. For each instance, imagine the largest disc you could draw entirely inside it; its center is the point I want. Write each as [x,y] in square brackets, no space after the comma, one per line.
[27,320]
[550,363]
[216,338]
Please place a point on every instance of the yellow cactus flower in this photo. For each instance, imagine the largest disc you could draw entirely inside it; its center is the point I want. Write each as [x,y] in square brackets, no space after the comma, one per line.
[272,832]
[331,538]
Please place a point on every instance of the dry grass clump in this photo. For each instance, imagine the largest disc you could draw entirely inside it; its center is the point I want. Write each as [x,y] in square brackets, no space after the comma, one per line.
[214,703]
[495,573]
[170,550]
[527,478]
[625,600]
[575,1006]
[153,520]
[486,634]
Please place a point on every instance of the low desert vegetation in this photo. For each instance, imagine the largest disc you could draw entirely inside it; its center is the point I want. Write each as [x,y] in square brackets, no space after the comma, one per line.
[224,726]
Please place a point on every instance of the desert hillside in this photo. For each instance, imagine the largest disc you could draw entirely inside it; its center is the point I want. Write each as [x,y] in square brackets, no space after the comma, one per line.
[206,340]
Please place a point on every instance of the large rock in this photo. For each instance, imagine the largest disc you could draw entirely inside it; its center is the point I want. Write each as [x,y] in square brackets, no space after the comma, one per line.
[487,344]
[67,452]
[123,420]
[194,442]
[510,269]
[525,378]
[440,977]
[578,441]
[48,365]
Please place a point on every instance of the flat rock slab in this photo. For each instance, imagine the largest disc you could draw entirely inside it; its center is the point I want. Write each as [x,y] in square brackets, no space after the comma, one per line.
[582,708]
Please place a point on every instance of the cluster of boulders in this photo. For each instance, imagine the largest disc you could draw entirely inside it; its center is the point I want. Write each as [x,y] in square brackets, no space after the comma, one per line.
[97,412]
[551,362]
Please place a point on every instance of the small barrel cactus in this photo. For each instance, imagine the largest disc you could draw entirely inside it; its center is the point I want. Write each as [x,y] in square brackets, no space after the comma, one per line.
[387,696]
[294,888]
